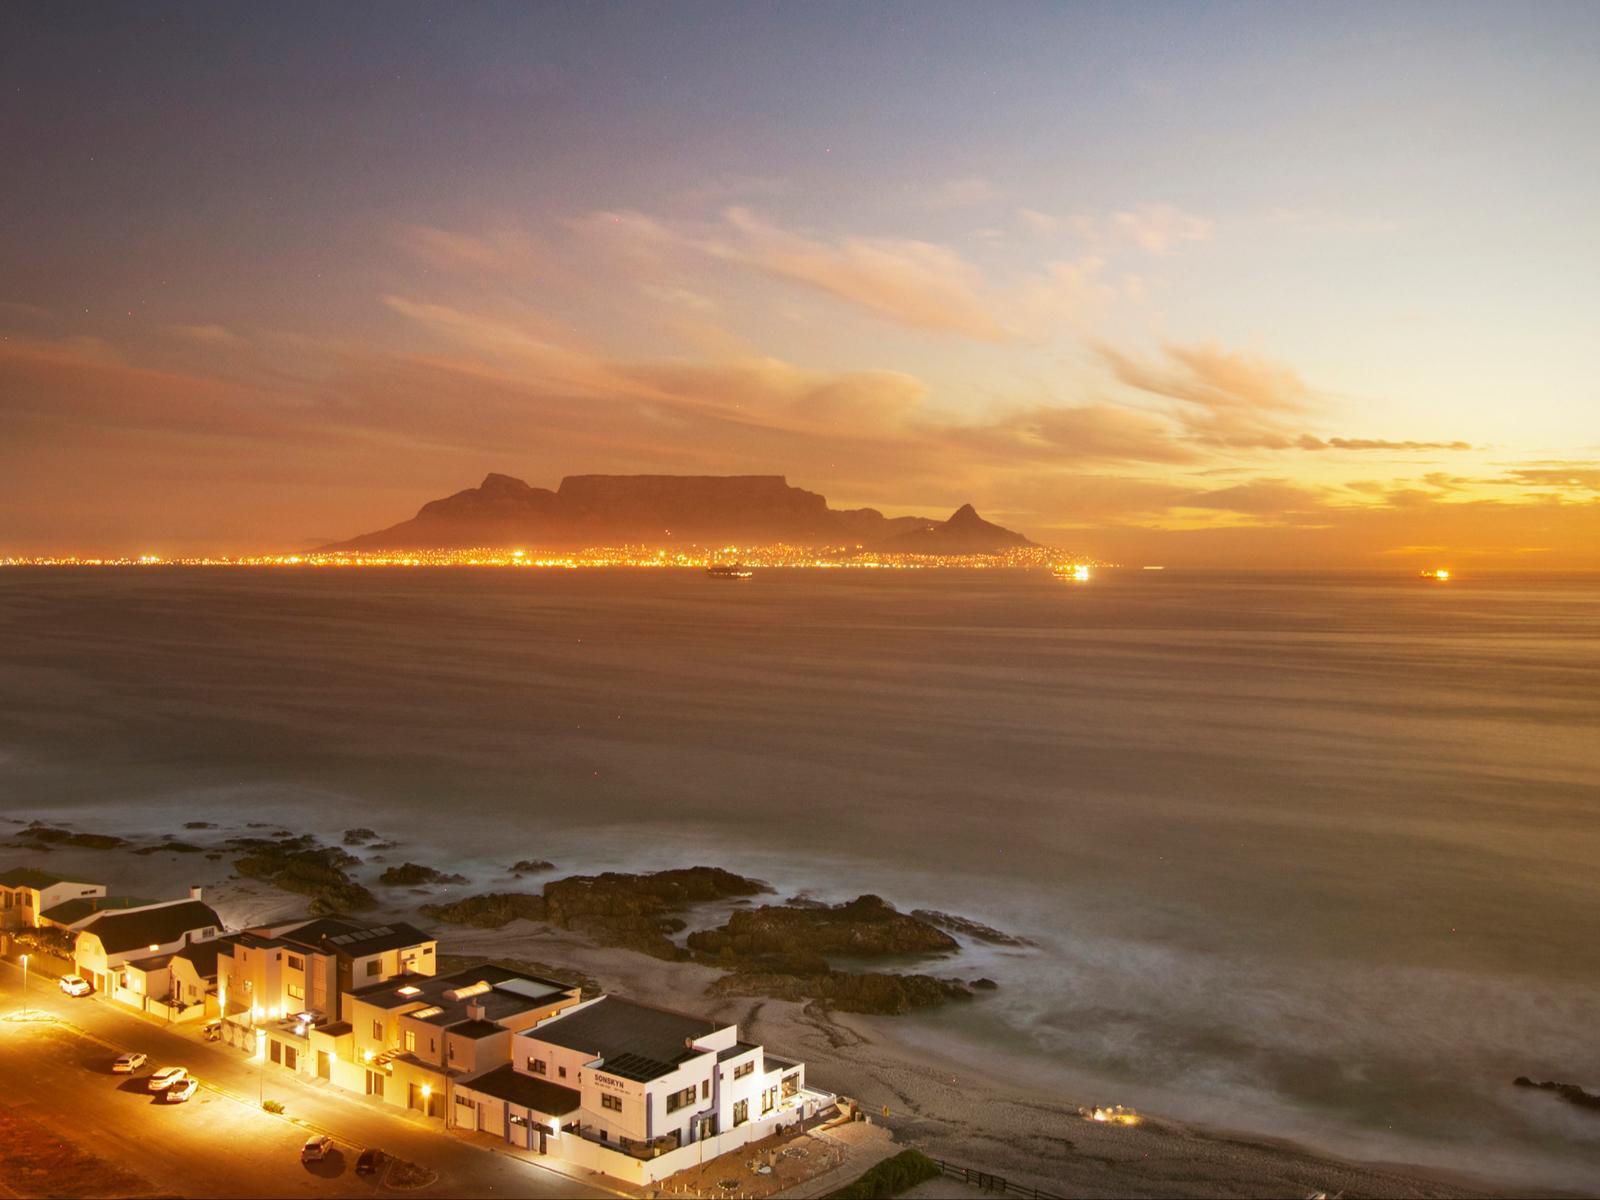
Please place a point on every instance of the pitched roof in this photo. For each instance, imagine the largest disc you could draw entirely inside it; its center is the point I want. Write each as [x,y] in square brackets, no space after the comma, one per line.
[635,1041]
[202,956]
[507,1083]
[70,912]
[123,931]
[32,877]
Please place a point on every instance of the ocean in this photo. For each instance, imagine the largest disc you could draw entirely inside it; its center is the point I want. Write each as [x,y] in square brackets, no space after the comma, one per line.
[1309,855]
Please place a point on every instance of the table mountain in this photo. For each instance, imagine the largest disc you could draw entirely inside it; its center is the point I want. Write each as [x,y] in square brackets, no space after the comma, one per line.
[601,510]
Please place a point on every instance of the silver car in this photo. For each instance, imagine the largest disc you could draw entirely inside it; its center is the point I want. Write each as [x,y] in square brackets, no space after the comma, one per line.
[168,1077]
[179,1092]
[128,1063]
[317,1148]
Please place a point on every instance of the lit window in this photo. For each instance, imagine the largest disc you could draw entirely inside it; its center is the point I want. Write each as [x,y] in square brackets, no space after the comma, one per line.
[411,1039]
[408,990]
[377,1031]
[537,1066]
[743,1069]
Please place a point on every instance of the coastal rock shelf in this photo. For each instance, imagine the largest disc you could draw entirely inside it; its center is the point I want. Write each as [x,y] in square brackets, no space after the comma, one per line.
[779,951]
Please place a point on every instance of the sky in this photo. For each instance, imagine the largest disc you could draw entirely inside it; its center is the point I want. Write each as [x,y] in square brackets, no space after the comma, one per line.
[1276,285]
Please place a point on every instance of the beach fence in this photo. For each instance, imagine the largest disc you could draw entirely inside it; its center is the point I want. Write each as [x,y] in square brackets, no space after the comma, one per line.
[992,1183]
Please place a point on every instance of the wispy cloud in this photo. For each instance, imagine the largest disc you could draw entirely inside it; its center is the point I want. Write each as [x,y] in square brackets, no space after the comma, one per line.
[211,335]
[963,193]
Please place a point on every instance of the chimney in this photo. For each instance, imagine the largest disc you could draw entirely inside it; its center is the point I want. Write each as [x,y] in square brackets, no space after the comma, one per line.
[475,1010]
[194,891]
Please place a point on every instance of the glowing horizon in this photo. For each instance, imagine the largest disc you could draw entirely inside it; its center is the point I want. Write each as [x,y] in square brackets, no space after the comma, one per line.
[1195,285]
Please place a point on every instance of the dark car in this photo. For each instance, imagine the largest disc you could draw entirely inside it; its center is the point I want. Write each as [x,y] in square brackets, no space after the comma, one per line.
[369,1161]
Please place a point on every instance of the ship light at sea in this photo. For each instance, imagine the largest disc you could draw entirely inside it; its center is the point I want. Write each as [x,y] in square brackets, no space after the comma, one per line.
[1439,575]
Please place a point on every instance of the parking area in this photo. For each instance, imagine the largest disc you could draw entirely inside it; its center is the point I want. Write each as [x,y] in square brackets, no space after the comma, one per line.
[56,1076]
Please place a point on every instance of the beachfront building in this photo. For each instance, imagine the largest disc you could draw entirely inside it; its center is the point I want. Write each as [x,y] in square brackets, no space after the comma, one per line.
[72,915]
[272,971]
[635,1091]
[26,893]
[414,1040]
[126,953]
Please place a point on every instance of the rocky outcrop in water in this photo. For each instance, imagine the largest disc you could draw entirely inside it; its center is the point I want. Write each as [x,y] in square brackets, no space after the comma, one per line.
[877,992]
[866,927]
[632,912]
[412,874]
[967,928]
[301,864]
[1570,1092]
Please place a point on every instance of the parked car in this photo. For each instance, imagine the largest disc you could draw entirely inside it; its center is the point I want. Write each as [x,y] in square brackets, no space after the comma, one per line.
[179,1092]
[211,1031]
[128,1063]
[316,1148]
[168,1077]
[369,1161]
[75,985]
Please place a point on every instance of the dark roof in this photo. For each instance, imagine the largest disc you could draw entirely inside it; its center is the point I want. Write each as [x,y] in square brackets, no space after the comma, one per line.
[71,911]
[335,935]
[202,956]
[476,1029]
[509,1084]
[635,1041]
[735,1050]
[779,1064]
[335,1030]
[32,877]
[122,931]
[150,962]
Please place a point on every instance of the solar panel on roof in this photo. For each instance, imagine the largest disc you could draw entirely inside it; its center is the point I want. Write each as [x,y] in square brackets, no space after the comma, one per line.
[638,1067]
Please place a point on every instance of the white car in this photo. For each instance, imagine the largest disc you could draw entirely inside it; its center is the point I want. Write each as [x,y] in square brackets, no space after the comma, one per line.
[316,1148]
[127,1064]
[168,1077]
[75,985]
[179,1092]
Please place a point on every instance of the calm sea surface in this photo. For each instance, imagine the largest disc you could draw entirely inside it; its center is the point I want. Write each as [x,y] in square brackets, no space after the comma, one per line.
[1317,855]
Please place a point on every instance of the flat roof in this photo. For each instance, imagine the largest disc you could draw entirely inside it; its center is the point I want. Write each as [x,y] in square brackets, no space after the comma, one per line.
[476,1029]
[511,1085]
[336,935]
[635,1041]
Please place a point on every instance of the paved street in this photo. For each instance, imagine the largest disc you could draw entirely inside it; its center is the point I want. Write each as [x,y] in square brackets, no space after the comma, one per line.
[220,1143]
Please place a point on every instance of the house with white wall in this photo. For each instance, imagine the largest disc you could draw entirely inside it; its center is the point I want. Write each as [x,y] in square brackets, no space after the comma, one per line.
[26,892]
[107,945]
[636,1091]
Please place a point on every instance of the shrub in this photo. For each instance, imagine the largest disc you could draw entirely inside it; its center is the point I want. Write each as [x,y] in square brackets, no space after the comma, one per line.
[272,1106]
[891,1177]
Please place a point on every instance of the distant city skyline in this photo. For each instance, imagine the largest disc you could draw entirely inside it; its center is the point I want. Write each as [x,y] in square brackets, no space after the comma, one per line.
[1238,284]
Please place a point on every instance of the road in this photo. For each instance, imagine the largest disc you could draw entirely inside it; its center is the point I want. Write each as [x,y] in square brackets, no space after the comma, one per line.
[221,1143]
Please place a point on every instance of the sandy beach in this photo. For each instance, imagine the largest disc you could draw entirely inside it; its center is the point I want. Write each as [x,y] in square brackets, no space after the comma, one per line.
[947,1108]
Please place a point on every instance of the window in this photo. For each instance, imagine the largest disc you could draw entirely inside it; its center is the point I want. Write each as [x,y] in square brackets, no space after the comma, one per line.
[537,1067]
[768,1099]
[296,992]
[741,1112]
[744,1069]
[374,966]
[705,1089]
[562,1071]
[295,964]
[450,1050]
[411,1040]
[680,1099]
[464,1101]
[289,1057]
[791,1084]
[614,1103]
[377,1031]
[277,1050]
[427,949]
